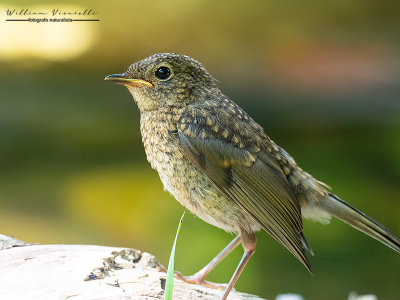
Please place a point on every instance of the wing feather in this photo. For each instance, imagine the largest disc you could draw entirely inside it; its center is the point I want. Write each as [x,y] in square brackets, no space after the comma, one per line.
[253,180]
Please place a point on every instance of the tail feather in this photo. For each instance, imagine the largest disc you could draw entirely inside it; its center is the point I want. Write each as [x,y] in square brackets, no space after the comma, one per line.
[357,219]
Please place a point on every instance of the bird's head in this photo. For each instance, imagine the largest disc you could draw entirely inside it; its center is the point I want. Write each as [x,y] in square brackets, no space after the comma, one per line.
[166,79]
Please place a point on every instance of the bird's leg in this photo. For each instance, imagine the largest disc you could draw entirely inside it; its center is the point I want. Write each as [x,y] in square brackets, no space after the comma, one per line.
[198,278]
[249,242]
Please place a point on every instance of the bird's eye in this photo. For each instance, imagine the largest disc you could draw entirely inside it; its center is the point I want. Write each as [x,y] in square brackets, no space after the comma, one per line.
[163,73]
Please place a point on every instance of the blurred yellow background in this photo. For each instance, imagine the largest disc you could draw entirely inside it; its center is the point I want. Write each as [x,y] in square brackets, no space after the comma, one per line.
[321,78]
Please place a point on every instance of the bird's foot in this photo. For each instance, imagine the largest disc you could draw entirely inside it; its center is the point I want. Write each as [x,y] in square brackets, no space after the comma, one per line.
[198,278]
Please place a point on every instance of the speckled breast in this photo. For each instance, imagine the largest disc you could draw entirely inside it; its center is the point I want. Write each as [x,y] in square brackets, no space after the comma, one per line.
[183,180]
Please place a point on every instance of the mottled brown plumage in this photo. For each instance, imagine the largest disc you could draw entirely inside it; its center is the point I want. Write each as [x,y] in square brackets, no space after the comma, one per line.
[218,162]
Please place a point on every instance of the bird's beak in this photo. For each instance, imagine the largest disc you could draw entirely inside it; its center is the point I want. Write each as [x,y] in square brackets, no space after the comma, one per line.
[124,80]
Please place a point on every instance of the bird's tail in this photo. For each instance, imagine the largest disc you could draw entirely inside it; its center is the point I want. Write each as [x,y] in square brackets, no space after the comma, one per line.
[357,219]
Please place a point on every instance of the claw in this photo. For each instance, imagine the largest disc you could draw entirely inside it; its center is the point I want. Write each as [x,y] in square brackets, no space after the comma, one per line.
[199,279]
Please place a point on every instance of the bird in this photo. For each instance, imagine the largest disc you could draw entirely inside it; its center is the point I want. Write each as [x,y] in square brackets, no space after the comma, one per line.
[220,165]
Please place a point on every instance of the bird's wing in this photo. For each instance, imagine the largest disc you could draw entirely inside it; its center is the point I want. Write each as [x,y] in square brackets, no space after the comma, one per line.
[231,149]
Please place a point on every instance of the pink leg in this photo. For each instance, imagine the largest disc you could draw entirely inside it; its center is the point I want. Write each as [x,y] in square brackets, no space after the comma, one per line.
[198,278]
[249,242]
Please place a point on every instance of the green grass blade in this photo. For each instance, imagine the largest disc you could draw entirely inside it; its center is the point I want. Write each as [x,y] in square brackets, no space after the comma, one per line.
[170,273]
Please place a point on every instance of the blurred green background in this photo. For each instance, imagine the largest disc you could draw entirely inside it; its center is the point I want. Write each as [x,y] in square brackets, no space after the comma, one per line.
[321,77]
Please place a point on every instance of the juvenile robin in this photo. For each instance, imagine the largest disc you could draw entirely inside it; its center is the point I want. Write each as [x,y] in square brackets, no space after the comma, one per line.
[219,164]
